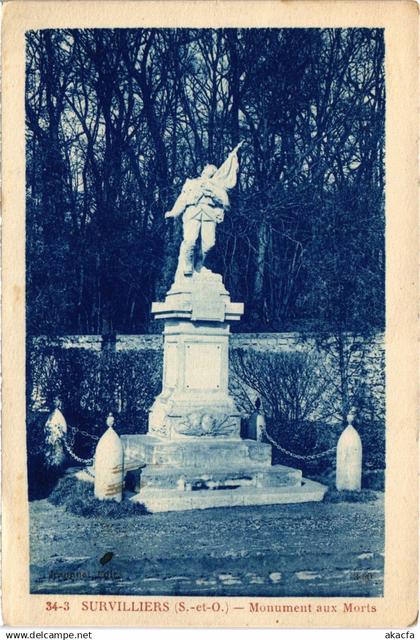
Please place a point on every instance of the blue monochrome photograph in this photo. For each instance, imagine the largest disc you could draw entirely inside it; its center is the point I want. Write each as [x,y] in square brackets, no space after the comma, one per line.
[205,311]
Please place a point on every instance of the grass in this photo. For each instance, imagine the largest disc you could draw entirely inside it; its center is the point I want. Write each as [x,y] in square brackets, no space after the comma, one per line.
[78,498]
[369,492]
[364,495]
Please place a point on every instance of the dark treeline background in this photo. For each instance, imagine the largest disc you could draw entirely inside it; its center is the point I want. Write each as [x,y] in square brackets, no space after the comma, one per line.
[117,119]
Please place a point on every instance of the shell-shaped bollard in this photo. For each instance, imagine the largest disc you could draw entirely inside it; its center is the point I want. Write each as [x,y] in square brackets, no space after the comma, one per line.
[55,431]
[349,460]
[56,423]
[260,426]
[109,465]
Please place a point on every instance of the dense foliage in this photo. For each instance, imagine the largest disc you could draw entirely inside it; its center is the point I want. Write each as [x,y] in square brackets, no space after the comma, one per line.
[78,497]
[91,384]
[302,406]
[305,397]
[117,119]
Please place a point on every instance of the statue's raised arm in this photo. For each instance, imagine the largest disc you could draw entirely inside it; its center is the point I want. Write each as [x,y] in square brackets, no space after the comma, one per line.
[227,174]
[202,203]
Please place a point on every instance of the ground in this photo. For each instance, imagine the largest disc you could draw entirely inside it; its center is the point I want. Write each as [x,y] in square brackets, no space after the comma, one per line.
[312,549]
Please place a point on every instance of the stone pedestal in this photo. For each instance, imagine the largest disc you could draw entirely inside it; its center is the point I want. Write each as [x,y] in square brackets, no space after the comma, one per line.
[193,448]
[195,399]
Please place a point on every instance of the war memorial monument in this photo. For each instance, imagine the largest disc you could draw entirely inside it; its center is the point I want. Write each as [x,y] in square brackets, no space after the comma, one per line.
[193,456]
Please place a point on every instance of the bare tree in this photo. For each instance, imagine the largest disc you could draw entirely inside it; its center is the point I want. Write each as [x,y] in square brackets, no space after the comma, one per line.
[117,119]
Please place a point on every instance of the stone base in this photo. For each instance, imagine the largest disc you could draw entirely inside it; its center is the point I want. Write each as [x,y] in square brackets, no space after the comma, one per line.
[201,473]
[156,500]
[217,477]
[140,450]
[195,399]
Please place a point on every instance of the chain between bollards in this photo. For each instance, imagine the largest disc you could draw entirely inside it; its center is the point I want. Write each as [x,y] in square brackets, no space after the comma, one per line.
[85,461]
[298,456]
[85,433]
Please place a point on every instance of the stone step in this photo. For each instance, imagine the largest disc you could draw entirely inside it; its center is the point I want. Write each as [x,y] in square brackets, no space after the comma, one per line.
[194,452]
[158,500]
[217,477]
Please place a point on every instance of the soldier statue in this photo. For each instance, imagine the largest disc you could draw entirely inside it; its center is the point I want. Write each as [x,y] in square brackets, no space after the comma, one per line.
[202,203]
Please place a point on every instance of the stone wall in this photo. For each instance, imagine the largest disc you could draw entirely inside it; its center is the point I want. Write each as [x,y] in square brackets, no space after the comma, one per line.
[260,342]
[266,342]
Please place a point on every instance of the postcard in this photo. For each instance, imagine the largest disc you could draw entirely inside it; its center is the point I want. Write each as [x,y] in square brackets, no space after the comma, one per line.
[210,365]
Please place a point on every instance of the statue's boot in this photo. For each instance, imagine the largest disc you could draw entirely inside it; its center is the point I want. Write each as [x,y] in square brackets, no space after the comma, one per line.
[201,262]
[187,254]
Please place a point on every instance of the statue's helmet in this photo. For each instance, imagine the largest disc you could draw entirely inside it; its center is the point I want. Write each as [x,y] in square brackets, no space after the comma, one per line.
[209,171]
